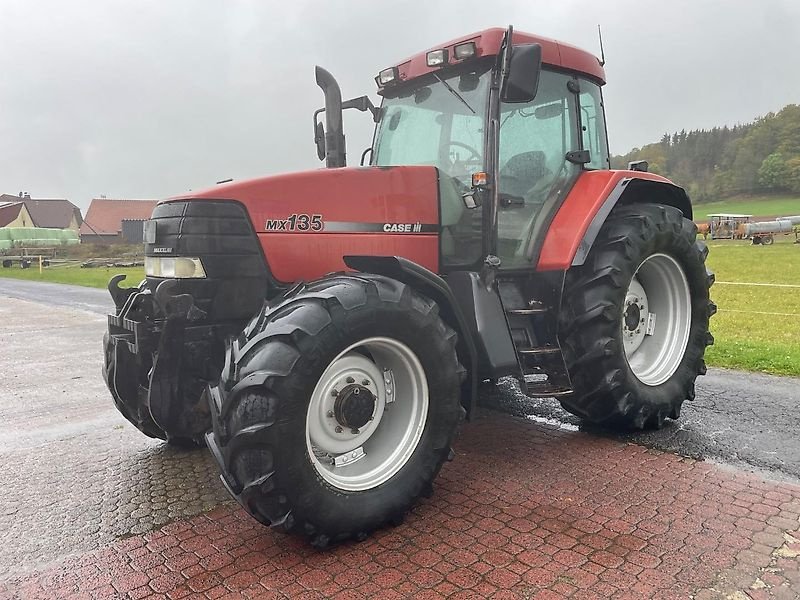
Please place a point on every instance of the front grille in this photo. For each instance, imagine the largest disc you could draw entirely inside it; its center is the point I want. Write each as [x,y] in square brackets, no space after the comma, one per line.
[220,233]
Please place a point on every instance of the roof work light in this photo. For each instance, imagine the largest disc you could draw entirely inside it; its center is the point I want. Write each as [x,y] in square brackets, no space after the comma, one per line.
[465,50]
[436,58]
[387,76]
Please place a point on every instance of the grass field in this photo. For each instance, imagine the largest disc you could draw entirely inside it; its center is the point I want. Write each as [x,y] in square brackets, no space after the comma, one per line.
[757,327]
[75,275]
[768,206]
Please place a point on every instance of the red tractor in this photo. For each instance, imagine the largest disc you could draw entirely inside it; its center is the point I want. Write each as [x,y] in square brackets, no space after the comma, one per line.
[325,332]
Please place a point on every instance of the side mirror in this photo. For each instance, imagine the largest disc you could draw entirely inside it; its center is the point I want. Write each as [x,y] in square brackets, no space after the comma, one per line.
[471,200]
[522,81]
[319,140]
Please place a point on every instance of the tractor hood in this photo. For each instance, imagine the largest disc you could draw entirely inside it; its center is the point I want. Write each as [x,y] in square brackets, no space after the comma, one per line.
[306,222]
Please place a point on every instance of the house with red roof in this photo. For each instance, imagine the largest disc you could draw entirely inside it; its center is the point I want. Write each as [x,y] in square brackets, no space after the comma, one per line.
[103,223]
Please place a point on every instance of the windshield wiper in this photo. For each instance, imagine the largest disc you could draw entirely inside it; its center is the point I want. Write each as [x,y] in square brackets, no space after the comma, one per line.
[455,93]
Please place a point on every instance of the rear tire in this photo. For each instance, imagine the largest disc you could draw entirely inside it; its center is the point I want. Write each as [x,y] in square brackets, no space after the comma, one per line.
[629,370]
[280,420]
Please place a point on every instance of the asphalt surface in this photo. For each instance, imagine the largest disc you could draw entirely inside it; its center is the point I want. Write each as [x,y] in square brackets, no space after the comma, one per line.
[56,294]
[747,420]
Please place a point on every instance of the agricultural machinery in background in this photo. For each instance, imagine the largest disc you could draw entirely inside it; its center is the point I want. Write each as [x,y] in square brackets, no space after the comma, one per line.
[764,232]
[726,226]
[742,227]
[325,332]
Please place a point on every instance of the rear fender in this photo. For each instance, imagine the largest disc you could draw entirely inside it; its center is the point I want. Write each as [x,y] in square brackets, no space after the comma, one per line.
[578,221]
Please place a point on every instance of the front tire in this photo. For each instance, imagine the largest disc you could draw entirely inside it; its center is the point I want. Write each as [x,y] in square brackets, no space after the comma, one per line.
[634,321]
[305,430]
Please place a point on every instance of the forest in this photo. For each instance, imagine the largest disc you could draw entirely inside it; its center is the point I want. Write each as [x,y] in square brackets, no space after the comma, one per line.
[758,158]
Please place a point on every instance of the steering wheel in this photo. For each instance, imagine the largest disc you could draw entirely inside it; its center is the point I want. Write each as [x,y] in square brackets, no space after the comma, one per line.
[459,168]
[474,155]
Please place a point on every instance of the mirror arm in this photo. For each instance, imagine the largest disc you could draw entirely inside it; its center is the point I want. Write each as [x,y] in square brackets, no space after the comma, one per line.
[364,104]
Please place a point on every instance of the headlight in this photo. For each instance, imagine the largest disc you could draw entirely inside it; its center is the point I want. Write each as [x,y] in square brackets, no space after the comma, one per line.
[179,267]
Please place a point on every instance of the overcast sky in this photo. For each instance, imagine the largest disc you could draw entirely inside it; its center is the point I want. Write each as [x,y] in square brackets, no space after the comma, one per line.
[150,98]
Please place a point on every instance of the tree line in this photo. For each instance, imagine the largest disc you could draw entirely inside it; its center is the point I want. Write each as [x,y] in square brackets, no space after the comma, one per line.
[762,157]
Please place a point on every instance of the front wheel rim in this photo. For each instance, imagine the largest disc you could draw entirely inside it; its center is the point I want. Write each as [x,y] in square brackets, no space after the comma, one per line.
[656,319]
[367,414]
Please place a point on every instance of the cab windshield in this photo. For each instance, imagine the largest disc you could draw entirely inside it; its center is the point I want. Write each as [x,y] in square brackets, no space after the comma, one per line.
[439,123]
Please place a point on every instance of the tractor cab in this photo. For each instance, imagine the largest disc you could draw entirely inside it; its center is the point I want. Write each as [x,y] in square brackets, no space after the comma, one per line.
[517,151]
[444,118]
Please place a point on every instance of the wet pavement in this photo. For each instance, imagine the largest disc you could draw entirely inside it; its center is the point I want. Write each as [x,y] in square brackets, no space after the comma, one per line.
[76,476]
[530,508]
[746,420]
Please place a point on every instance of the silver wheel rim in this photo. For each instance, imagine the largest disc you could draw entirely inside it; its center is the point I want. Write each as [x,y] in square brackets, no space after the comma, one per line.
[367,414]
[656,319]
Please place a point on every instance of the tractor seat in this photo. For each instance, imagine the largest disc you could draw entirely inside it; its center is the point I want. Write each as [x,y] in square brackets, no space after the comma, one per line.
[522,171]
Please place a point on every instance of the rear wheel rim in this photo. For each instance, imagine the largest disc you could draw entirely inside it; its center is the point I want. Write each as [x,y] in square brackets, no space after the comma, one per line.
[367,414]
[656,319]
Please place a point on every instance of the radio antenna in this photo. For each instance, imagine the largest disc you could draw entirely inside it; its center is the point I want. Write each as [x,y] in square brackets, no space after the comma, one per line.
[602,53]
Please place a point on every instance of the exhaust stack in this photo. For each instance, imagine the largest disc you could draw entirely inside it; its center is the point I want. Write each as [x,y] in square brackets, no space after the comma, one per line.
[335,153]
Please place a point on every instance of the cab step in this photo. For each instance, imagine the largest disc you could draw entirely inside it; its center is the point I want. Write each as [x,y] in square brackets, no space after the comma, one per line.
[539,351]
[544,389]
[523,312]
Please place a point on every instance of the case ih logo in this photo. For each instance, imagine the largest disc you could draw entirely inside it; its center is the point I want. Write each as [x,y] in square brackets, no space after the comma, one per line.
[402,227]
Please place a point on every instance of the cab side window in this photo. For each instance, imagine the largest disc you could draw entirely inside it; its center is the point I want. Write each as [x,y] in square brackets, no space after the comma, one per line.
[534,140]
[593,125]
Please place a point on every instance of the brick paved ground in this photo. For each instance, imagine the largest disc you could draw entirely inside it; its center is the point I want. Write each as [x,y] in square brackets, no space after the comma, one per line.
[75,475]
[525,511]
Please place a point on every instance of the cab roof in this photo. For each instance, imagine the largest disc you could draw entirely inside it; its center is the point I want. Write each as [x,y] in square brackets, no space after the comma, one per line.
[487,43]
